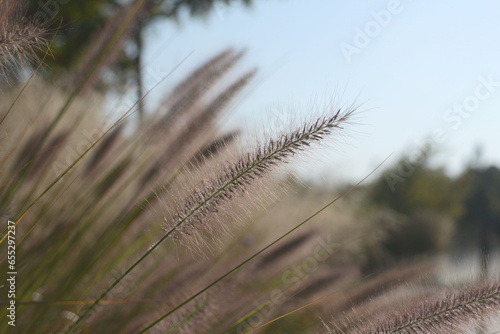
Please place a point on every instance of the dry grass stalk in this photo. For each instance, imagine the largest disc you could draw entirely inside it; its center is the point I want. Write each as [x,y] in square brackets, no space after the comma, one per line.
[285,249]
[188,92]
[104,149]
[49,153]
[447,314]
[20,39]
[171,157]
[235,178]
[380,307]
[28,151]
[380,285]
[105,48]
[213,148]
[328,281]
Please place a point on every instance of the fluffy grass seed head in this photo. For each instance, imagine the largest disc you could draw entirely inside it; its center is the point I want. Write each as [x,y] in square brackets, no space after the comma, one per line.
[194,216]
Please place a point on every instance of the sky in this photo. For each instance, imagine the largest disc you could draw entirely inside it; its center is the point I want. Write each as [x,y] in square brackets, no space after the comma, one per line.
[420,71]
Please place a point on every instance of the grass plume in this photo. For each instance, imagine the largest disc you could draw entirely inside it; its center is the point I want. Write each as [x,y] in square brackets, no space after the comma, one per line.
[448,314]
[20,39]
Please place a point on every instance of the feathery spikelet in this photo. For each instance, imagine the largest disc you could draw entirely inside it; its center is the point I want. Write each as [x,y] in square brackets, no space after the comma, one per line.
[381,284]
[112,177]
[445,315]
[105,48]
[206,70]
[379,307]
[104,148]
[237,177]
[285,248]
[29,148]
[326,281]
[20,39]
[189,91]
[213,148]
[48,153]
[194,128]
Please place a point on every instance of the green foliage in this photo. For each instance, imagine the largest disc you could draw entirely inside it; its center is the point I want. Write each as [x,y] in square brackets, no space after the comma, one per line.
[430,201]
[81,21]
[418,187]
[479,220]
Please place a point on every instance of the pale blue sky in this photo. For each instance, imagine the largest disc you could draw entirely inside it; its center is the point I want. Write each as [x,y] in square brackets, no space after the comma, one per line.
[426,58]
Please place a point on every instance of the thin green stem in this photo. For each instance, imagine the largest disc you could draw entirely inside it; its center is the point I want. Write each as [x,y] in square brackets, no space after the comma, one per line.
[258,253]
[73,326]
[258,163]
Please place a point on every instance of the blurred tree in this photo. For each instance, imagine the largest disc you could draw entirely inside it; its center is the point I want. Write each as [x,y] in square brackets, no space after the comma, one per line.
[85,22]
[480,220]
[410,186]
[423,198]
[84,19]
[428,199]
